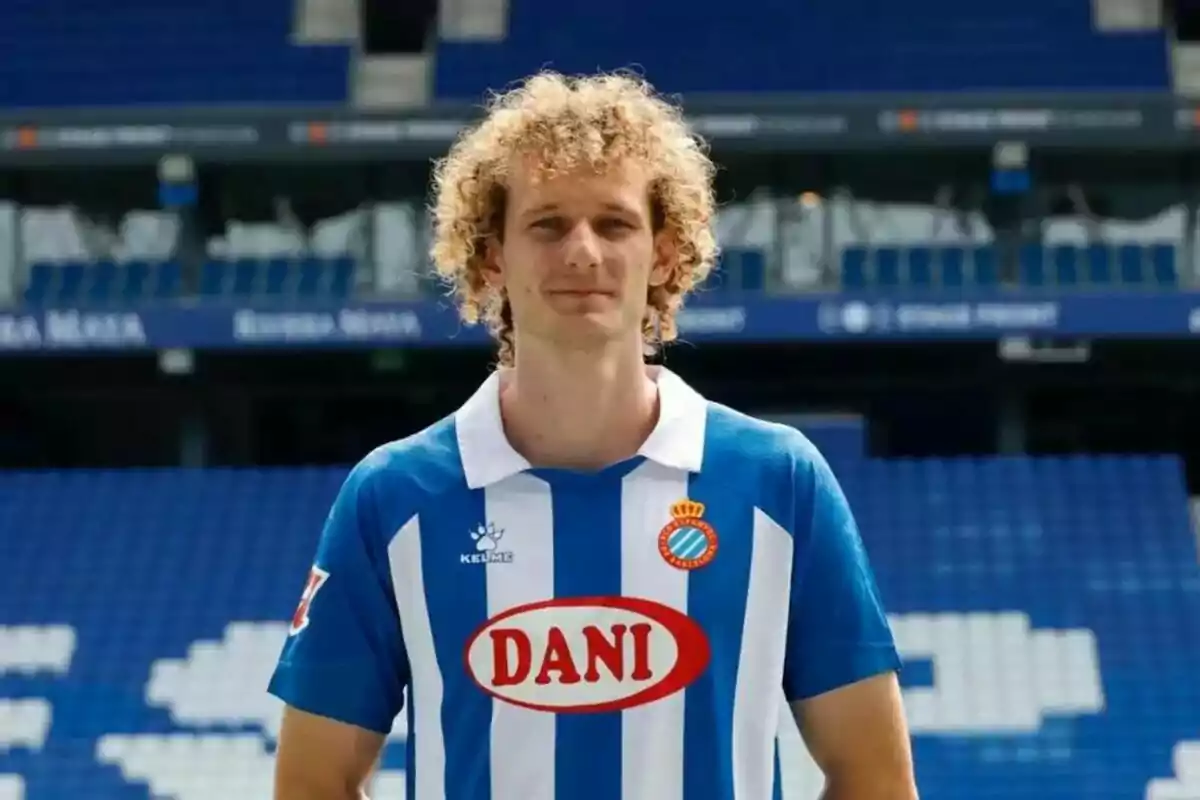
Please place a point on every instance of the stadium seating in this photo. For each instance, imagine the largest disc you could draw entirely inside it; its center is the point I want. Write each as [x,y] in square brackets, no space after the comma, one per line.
[925,266]
[1048,610]
[108,282]
[951,267]
[138,263]
[77,283]
[846,46]
[858,245]
[71,53]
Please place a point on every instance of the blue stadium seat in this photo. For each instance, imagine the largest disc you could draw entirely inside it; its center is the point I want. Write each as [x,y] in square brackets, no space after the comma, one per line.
[920,267]
[987,268]
[1099,261]
[101,281]
[138,275]
[1065,259]
[954,271]
[1033,265]
[1048,610]
[320,277]
[854,268]
[246,277]
[888,267]
[1162,261]
[140,52]
[40,286]
[1131,260]
[950,267]
[214,278]
[753,266]
[849,46]
[104,282]
[312,277]
[168,279]
[73,276]
[341,282]
[279,276]
[739,269]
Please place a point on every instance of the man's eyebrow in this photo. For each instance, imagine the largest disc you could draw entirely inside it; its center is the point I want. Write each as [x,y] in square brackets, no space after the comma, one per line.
[620,208]
[546,208]
[542,209]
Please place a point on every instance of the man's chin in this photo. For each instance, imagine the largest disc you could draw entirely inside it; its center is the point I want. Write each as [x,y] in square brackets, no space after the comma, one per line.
[589,328]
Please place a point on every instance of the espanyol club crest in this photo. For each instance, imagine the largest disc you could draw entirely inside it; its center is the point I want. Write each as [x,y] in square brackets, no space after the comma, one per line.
[687,541]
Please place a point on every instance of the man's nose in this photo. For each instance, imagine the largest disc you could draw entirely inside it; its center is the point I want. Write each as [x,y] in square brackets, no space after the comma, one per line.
[581,247]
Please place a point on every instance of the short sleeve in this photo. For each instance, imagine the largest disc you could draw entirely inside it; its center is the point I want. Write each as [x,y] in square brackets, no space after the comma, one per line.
[344,656]
[838,632]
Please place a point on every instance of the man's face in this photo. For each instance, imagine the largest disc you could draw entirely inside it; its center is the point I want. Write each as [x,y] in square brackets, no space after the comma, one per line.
[578,256]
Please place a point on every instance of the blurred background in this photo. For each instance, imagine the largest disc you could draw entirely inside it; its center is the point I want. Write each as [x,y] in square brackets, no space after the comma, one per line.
[959,253]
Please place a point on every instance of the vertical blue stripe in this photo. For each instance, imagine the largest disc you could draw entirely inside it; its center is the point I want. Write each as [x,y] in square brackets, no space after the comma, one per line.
[410,751]
[457,598]
[587,562]
[777,792]
[717,601]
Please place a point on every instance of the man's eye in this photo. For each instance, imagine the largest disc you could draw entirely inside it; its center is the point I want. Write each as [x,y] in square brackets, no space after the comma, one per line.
[547,224]
[614,224]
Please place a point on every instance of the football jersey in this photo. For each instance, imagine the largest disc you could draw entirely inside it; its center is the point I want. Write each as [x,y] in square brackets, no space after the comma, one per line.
[624,634]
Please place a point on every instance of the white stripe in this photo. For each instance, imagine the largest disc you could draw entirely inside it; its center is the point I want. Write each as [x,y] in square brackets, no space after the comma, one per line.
[408,582]
[522,740]
[651,735]
[760,664]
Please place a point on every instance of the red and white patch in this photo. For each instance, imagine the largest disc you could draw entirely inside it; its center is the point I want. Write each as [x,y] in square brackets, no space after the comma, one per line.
[316,579]
[587,654]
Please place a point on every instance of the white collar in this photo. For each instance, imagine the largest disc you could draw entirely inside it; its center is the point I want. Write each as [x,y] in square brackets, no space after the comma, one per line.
[677,441]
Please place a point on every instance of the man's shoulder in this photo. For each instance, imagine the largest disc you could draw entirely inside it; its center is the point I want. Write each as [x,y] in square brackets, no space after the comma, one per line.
[773,463]
[741,437]
[422,464]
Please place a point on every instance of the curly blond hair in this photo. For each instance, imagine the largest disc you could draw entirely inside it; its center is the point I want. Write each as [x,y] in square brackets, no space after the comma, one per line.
[566,123]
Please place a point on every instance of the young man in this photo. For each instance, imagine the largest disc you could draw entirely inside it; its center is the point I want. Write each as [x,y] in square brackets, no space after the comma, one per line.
[591,583]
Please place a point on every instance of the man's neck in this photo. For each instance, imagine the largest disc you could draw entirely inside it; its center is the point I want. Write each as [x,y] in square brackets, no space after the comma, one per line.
[578,410]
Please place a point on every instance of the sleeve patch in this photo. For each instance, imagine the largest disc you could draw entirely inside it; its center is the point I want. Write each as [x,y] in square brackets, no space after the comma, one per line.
[316,579]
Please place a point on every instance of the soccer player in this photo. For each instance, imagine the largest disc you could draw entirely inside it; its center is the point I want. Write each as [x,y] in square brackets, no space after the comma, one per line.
[588,583]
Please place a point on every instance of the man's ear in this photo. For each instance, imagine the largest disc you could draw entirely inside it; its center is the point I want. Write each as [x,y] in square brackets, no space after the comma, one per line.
[493,263]
[666,259]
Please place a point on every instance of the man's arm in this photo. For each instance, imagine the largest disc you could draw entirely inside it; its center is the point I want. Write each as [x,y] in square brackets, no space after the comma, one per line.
[841,663]
[319,758]
[858,736]
[344,668]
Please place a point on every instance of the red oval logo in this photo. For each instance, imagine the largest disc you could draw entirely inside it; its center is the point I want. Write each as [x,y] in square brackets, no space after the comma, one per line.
[585,655]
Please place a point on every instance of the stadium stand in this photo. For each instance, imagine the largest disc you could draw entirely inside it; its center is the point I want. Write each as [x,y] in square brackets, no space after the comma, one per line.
[1048,610]
[854,244]
[68,261]
[851,46]
[80,54]
[71,54]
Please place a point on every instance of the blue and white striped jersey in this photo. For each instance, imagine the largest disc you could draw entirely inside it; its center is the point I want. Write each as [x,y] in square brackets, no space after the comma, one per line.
[620,635]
